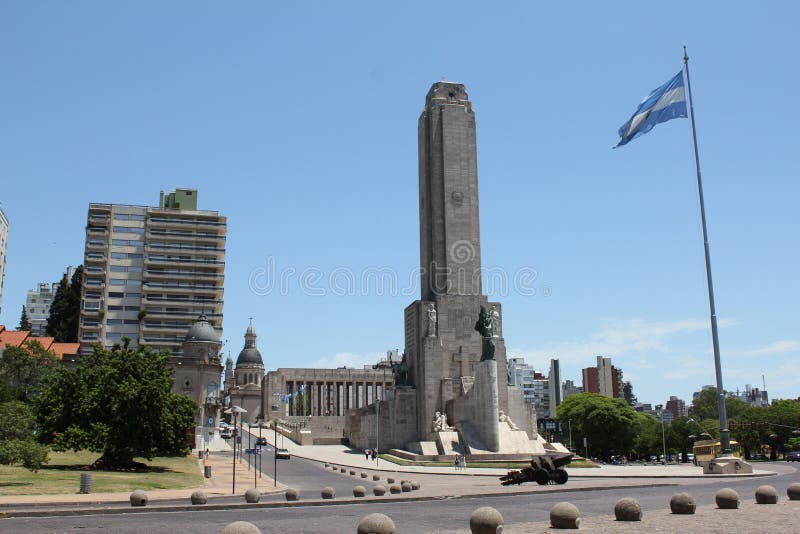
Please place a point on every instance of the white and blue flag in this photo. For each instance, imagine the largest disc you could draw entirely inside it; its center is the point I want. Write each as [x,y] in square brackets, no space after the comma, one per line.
[663,104]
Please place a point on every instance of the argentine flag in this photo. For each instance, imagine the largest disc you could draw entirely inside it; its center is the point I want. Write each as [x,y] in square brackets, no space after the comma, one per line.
[665,103]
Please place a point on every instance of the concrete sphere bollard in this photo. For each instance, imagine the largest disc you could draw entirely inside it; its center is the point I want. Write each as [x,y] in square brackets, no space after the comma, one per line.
[682,503]
[376,477]
[405,486]
[727,499]
[199,497]
[628,510]
[328,492]
[292,494]
[766,495]
[390,480]
[252,495]
[565,515]
[241,527]
[359,491]
[414,485]
[376,524]
[363,475]
[352,472]
[485,520]
[379,490]
[343,469]
[139,498]
[793,491]
[394,488]
[327,466]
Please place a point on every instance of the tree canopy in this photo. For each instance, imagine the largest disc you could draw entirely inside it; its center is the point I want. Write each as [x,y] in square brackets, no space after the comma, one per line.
[706,406]
[65,309]
[608,424]
[17,442]
[23,370]
[119,403]
[24,322]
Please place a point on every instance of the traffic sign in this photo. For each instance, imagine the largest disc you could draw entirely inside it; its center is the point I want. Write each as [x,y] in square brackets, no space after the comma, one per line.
[252,451]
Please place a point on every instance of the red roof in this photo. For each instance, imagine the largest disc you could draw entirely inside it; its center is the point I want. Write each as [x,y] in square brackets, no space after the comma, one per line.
[64,349]
[12,338]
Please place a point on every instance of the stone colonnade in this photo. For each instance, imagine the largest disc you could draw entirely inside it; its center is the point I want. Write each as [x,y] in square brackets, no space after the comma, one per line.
[332,397]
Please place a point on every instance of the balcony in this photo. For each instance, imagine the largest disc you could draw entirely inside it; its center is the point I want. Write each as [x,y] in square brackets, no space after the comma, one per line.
[95,258]
[155,221]
[168,261]
[188,313]
[154,274]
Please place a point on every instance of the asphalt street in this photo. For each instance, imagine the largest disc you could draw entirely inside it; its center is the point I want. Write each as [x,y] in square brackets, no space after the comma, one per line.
[416,517]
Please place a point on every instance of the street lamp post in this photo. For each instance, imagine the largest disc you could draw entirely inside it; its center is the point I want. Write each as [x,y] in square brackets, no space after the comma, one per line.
[235,411]
[663,439]
[570,434]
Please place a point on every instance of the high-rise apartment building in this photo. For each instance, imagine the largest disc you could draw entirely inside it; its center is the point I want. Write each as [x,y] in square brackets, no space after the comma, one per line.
[570,388]
[603,379]
[534,385]
[38,301]
[3,244]
[677,407]
[150,272]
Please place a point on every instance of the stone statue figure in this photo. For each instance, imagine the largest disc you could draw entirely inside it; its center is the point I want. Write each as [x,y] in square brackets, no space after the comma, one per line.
[485,326]
[440,422]
[495,320]
[431,319]
[400,372]
[506,419]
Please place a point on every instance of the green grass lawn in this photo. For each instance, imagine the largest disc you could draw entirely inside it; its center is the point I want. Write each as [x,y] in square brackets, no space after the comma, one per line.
[63,473]
[488,465]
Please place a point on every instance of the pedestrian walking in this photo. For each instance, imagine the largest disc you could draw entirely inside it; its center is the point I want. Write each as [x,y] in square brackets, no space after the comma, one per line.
[464,462]
[374,454]
[366,453]
[457,462]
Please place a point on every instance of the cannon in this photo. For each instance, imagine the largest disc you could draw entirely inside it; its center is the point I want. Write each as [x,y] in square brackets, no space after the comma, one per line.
[544,469]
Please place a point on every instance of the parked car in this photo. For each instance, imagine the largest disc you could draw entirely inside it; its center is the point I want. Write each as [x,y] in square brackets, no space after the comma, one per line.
[793,456]
[260,442]
[759,457]
[226,433]
[282,454]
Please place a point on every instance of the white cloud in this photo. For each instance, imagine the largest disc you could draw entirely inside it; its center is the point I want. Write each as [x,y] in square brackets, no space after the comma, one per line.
[621,338]
[347,359]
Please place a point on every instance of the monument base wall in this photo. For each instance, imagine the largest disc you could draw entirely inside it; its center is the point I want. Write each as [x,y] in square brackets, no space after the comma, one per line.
[475,413]
[397,425]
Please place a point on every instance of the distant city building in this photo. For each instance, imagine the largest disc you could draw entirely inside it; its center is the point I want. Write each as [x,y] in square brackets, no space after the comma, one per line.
[571,389]
[150,272]
[247,378]
[38,301]
[662,414]
[677,407]
[753,396]
[603,379]
[3,245]
[555,390]
[534,385]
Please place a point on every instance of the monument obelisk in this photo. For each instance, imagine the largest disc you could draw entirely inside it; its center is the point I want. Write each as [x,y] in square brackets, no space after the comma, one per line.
[441,342]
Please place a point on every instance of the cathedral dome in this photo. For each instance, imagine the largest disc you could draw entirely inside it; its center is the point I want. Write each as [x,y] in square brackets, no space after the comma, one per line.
[202,330]
[250,354]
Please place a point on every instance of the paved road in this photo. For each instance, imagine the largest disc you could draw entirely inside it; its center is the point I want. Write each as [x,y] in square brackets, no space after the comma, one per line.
[416,517]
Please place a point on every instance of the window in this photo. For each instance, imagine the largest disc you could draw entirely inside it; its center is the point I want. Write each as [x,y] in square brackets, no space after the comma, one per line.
[128,230]
[115,295]
[133,295]
[126,242]
[116,282]
[115,308]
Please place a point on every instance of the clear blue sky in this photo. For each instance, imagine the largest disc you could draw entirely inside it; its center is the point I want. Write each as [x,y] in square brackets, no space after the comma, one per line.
[298,121]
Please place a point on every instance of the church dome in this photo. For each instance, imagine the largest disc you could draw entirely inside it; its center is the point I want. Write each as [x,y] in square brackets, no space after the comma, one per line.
[250,354]
[202,330]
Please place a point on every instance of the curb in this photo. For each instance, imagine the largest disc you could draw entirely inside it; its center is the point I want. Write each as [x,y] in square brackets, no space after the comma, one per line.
[291,504]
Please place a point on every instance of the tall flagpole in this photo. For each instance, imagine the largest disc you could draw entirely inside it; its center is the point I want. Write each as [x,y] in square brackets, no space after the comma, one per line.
[724,434]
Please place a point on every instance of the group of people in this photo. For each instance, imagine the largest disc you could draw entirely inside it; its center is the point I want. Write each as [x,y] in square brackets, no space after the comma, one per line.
[371,453]
[460,462]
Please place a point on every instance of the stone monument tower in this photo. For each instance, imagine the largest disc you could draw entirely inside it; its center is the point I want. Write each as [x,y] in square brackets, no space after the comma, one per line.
[452,397]
[442,344]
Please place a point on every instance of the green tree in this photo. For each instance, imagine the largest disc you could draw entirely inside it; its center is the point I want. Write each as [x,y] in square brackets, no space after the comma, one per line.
[23,370]
[648,435]
[24,322]
[609,425]
[65,309]
[705,406]
[118,403]
[17,442]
